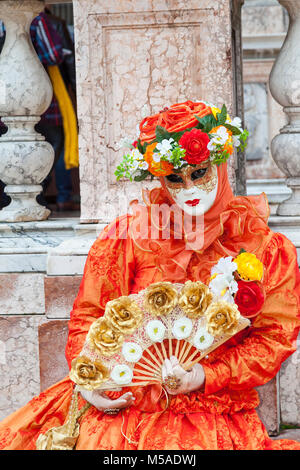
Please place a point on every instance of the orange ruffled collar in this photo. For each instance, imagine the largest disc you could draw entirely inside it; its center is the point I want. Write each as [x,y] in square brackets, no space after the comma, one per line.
[241,224]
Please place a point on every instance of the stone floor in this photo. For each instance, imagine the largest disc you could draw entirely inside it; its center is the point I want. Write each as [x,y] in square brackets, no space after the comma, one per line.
[293,434]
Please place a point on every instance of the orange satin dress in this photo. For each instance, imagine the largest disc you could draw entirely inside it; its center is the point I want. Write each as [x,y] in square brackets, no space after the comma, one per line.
[222,416]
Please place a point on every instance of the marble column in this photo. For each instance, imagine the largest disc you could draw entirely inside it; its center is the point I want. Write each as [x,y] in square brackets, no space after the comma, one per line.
[26,92]
[285,88]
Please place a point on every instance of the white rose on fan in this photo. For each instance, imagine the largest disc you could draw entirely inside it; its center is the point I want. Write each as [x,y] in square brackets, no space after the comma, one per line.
[202,339]
[224,266]
[182,328]
[121,374]
[132,352]
[224,286]
[156,330]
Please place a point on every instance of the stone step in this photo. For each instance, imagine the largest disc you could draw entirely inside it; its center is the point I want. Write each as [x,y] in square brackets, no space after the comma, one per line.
[293,434]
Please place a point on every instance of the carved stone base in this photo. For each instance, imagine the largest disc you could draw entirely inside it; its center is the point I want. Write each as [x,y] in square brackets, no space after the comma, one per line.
[23,206]
[291,207]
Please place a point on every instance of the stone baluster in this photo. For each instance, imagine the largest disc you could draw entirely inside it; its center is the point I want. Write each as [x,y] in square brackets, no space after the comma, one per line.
[26,92]
[285,88]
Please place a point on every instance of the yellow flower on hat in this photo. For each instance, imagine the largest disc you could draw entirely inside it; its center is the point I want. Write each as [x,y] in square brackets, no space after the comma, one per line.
[249,267]
[216,111]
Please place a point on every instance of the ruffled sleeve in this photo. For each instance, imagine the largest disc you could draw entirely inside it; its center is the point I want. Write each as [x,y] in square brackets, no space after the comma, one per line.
[108,274]
[273,334]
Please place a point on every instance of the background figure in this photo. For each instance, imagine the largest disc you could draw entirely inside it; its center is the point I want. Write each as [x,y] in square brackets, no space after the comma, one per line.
[54,46]
[63,178]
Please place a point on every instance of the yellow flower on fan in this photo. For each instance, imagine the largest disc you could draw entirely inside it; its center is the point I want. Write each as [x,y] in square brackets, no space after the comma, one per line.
[222,318]
[123,314]
[194,299]
[88,374]
[249,267]
[160,298]
[103,338]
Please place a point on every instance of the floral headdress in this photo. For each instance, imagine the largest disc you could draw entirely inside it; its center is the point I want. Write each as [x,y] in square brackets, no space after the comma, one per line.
[190,134]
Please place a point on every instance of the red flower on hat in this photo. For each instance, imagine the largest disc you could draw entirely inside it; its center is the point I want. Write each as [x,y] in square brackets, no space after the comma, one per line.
[195,143]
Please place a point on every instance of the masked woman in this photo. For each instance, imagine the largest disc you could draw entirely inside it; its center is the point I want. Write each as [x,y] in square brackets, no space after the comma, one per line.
[187,146]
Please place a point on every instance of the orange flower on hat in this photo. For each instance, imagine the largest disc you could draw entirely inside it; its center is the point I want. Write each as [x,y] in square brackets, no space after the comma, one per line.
[178,117]
[161,168]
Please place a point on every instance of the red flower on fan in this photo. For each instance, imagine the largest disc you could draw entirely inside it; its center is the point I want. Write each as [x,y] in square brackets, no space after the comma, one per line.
[249,298]
[195,143]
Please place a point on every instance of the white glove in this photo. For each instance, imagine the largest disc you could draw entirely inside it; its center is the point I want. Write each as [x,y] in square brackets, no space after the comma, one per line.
[187,381]
[101,401]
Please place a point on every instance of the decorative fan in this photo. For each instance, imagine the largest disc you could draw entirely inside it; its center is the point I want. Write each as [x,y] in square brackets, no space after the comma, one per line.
[128,345]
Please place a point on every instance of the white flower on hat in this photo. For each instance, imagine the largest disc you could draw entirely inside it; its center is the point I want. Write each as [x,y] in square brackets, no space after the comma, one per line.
[182,328]
[202,339]
[121,374]
[125,142]
[136,154]
[156,157]
[133,166]
[221,136]
[144,165]
[165,146]
[236,122]
[236,141]
[156,330]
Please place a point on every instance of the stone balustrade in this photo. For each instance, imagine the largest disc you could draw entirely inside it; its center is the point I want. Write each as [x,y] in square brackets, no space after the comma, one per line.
[25,157]
[285,88]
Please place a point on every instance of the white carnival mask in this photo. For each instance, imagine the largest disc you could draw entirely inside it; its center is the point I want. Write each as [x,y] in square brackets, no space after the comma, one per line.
[194,189]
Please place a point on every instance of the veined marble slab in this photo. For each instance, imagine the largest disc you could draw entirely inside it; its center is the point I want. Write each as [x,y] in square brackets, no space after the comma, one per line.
[22,294]
[69,257]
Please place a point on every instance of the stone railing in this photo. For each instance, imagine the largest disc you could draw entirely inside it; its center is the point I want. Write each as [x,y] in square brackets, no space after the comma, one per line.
[25,157]
[285,88]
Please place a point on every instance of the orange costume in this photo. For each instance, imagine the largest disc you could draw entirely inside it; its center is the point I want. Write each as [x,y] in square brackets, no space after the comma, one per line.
[222,416]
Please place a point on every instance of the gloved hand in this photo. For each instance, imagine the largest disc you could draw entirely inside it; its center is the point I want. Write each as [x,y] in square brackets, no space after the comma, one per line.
[187,381]
[101,401]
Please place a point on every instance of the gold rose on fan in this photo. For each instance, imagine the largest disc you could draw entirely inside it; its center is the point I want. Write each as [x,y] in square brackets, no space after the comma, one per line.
[104,338]
[88,374]
[194,299]
[222,318]
[124,315]
[160,298]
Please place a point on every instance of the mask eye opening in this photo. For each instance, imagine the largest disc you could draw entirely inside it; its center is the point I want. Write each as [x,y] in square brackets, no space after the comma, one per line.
[174,178]
[197,174]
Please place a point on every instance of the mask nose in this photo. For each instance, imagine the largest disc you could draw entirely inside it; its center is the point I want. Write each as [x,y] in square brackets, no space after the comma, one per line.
[189,184]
